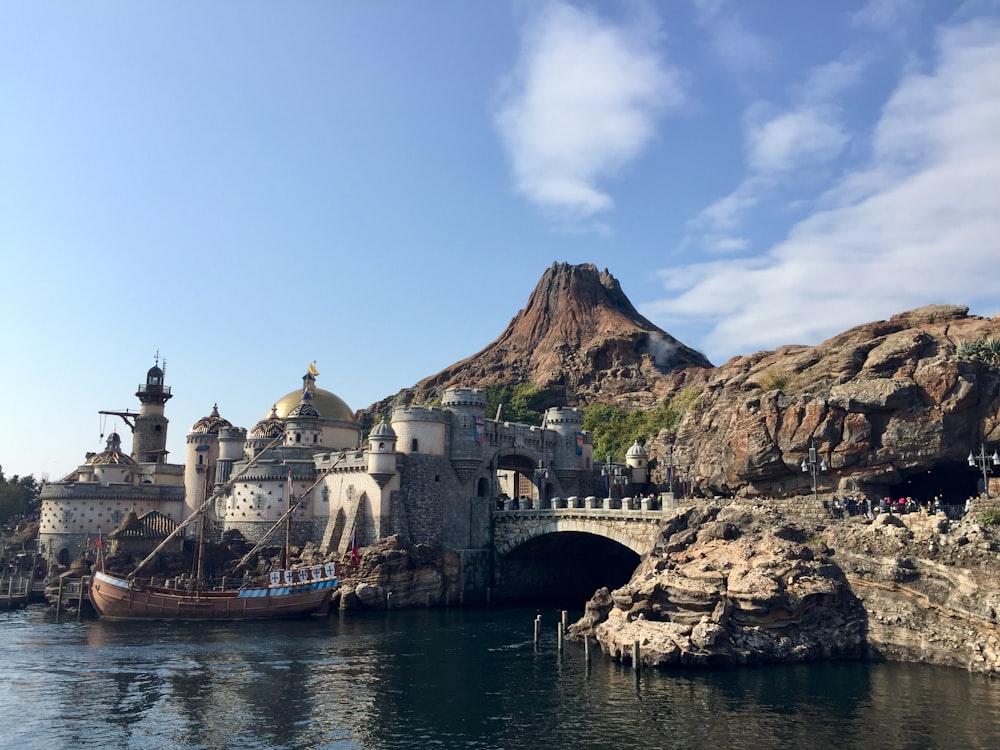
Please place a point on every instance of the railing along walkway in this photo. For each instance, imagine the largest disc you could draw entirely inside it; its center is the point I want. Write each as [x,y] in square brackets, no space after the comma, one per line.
[625,506]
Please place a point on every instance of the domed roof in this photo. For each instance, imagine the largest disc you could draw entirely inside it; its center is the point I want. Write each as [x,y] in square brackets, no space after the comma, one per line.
[212,423]
[268,429]
[327,404]
[305,408]
[112,454]
[636,451]
[383,430]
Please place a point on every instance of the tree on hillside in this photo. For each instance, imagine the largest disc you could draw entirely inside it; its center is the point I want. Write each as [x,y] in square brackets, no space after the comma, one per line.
[522,402]
[19,496]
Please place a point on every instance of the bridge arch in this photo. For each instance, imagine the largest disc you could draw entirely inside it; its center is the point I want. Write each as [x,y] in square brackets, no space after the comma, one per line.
[640,540]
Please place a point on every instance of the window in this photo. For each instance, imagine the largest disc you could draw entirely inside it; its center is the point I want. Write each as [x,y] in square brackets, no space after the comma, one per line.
[413,446]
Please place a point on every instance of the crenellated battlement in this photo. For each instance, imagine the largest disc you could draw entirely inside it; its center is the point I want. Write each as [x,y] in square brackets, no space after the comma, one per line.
[465,397]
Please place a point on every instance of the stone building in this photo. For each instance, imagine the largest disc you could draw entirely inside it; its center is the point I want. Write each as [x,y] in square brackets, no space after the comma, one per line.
[432,474]
[95,497]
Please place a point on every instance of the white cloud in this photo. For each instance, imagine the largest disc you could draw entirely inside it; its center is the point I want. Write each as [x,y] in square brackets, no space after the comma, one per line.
[726,213]
[582,101]
[793,139]
[729,244]
[884,15]
[740,49]
[781,143]
[918,225]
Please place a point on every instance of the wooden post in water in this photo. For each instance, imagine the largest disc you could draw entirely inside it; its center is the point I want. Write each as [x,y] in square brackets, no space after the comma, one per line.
[565,623]
[59,598]
[586,648]
[538,625]
[388,600]
[635,654]
[84,586]
[559,637]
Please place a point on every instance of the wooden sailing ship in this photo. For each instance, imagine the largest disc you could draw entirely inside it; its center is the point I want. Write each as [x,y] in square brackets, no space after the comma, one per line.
[305,591]
[292,592]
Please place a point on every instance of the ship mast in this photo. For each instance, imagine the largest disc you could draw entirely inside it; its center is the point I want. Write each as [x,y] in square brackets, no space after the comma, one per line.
[203,507]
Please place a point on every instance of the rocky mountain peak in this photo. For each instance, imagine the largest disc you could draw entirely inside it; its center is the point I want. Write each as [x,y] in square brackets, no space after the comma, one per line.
[578,332]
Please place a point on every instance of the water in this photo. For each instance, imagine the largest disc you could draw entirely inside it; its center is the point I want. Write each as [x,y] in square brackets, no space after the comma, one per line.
[445,679]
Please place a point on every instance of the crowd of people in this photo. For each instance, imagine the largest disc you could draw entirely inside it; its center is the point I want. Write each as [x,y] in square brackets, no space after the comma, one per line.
[866,506]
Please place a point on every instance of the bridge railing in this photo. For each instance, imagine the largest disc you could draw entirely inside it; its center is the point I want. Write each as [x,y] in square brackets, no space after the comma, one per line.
[596,505]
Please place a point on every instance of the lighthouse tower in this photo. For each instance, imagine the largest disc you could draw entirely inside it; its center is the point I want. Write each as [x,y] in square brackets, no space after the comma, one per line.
[149,437]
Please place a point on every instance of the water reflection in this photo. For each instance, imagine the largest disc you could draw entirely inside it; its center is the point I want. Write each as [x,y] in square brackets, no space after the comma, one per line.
[446,678]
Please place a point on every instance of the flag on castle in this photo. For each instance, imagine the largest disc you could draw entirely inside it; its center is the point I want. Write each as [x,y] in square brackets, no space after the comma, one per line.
[579,443]
[477,428]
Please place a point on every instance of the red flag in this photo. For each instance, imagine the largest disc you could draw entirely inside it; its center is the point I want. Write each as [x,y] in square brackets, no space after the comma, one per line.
[99,546]
[355,557]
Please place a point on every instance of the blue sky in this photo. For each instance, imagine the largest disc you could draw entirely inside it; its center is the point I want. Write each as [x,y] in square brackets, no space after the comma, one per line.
[245,187]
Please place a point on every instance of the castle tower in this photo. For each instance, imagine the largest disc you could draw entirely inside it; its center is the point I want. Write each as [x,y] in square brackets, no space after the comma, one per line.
[149,437]
[636,459]
[202,459]
[573,449]
[304,424]
[468,428]
[231,441]
[382,453]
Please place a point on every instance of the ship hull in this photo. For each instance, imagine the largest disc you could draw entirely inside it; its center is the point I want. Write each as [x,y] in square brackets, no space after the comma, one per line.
[119,599]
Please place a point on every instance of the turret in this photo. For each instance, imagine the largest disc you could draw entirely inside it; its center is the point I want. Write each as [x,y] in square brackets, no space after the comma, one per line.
[149,439]
[382,452]
[202,458]
[468,428]
[304,425]
[231,441]
[636,459]
[111,465]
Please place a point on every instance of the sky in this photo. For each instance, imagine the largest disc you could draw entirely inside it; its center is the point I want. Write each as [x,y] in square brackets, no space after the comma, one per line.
[243,187]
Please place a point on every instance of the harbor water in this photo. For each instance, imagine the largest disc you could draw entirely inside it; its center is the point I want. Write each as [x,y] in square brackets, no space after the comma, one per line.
[448,678]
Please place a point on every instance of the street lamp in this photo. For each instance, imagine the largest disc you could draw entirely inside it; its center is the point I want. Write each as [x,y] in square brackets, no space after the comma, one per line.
[614,475]
[541,474]
[670,468]
[814,466]
[982,462]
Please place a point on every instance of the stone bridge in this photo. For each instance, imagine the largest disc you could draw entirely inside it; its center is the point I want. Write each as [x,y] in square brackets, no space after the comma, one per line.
[631,522]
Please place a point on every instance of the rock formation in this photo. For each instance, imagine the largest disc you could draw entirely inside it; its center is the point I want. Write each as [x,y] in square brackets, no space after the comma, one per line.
[893,407]
[747,584]
[392,574]
[579,334]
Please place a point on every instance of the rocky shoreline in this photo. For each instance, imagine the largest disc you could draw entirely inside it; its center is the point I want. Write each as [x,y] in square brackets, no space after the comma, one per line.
[744,584]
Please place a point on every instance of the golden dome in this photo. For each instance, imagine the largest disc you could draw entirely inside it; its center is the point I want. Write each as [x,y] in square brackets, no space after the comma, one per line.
[329,405]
